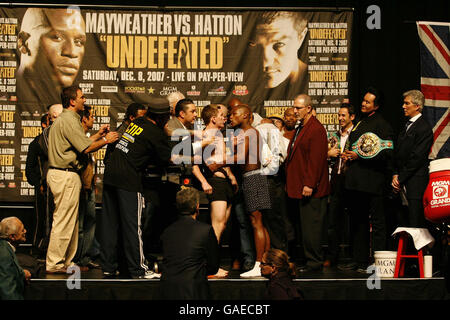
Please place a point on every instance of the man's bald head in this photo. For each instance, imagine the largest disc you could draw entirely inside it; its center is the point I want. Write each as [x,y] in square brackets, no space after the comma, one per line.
[234,103]
[304,99]
[173,98]
[52,41]
[244,109]
[12,229]
[54,111]
[302,107]
[240,114]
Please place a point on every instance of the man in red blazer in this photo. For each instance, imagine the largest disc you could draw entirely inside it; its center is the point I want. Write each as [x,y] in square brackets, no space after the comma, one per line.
[307,179]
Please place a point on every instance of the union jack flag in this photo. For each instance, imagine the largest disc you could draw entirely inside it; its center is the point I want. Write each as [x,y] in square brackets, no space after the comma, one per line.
[435,82]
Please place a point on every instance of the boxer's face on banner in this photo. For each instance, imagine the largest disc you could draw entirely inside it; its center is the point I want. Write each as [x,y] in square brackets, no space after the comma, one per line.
[57,41]
[63,44]
[279,42]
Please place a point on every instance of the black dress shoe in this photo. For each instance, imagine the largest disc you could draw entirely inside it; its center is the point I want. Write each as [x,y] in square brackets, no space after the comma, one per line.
[361,269]
[110,275]
[348,266]
[93,265]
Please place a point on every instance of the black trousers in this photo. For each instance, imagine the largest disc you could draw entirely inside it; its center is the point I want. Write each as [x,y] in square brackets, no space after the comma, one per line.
[337,218]
[160,212]
[312,215]
[44,207]
[275,219]
[121,219]
[366,209]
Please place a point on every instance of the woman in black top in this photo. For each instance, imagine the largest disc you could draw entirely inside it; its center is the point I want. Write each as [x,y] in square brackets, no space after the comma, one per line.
[276,267]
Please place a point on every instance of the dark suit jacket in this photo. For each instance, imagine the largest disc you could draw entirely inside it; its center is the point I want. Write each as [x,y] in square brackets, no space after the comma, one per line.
[12,277]
[191,253]
[371,175]
[411,157]
[306,163]
[33,167]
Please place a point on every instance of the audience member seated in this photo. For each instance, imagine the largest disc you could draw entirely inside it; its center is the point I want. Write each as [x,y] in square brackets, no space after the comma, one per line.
[276,267]
[12,276]
[190,252]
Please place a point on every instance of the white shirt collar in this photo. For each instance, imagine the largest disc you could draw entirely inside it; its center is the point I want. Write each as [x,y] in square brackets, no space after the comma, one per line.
[12,247]
[413,119]
[346,132]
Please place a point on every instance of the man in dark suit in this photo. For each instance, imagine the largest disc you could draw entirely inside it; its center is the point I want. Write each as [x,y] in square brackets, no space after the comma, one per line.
[190,252]
[411,159]
[307,179]
[12,276]
[369,159]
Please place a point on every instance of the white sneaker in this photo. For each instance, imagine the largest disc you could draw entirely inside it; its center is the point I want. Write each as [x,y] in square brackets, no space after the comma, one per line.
[254,273]
[150,275]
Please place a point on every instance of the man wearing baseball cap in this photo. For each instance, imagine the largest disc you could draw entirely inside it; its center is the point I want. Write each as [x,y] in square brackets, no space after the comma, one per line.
[144,143]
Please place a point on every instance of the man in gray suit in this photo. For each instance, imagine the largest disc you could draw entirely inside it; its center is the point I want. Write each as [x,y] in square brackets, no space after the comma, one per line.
[411,159]
[185,115]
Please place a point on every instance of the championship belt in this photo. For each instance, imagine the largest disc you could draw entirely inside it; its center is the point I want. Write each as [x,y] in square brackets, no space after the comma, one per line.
[333,140]
[369,145]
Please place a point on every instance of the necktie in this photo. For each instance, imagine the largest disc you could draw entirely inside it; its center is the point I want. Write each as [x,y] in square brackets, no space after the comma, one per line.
[408,124]
[293,140]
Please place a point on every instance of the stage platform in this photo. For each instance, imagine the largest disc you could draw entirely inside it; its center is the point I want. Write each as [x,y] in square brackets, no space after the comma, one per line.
[329,284]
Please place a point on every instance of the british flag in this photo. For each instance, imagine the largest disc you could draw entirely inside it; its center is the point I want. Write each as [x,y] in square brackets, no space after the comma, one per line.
[435,82]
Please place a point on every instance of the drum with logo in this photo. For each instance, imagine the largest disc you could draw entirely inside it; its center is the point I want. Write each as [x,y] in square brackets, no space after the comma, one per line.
[436,200]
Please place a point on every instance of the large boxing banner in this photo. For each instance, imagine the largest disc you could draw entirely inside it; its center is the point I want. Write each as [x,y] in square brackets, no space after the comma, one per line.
[263,58]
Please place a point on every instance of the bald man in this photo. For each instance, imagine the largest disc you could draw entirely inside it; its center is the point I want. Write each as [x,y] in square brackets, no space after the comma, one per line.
[12,276]
[255,186]
[234,103]
[51,43]
[54,111]
[173,98]
[36,171]
[307,179]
